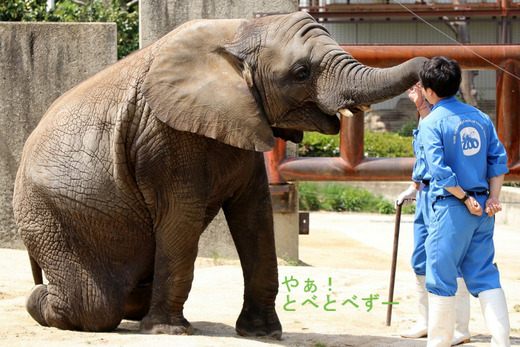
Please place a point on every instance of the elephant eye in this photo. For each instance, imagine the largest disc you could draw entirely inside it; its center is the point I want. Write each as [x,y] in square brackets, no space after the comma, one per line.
[301,73]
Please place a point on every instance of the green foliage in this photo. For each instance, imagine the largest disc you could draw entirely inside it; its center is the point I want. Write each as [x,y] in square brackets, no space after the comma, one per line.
[127,21]
[408,209]
[376,145]
[309,200]
[387,145]
[338,198]
[318,145]
[407,129]
[20,10]
[512,184]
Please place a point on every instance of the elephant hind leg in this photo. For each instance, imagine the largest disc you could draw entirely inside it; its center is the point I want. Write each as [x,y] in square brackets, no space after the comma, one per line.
[38,306]
[50,307]
[36,302]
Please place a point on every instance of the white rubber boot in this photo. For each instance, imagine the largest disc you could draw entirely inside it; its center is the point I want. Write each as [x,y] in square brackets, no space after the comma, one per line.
[494,308]
[420,329]
[441,320]
[462,334]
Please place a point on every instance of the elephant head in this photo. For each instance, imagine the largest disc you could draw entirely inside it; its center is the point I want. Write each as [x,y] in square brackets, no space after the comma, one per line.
[242,82]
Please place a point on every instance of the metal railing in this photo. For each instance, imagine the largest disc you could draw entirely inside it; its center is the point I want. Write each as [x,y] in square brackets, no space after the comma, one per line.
[352,165]
[355,8]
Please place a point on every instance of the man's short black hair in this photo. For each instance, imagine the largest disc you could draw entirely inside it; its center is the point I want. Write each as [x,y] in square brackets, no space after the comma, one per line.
[442,75]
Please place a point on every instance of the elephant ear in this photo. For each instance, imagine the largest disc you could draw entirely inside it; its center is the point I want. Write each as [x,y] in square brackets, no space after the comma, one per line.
[196,84]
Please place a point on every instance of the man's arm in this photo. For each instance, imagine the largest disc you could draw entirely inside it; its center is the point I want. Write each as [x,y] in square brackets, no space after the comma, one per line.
[471,203]
[493,204]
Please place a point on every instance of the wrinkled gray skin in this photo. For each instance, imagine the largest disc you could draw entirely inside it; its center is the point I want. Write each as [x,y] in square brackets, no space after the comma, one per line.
[125,171]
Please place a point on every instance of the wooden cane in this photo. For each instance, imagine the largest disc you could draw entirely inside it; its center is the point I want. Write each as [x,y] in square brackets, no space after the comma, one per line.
[394,264]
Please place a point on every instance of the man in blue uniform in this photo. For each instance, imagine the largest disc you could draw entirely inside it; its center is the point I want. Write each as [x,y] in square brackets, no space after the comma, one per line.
[418,190]
[467,163]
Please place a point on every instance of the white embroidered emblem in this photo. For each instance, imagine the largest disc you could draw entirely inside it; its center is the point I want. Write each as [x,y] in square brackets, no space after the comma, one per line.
[470,139]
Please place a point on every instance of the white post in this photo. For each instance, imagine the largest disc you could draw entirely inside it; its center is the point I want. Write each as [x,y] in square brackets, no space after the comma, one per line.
[50,5]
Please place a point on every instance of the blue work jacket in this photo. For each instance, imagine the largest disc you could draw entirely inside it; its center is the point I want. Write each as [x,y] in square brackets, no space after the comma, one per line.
[420,171]
[461,147]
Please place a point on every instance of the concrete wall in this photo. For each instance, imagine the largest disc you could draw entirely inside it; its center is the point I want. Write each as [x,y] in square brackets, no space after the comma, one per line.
[159,17]
[38,63]
[510,214]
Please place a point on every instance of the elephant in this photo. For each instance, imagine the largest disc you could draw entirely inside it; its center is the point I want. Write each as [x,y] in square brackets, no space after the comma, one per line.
[125,171]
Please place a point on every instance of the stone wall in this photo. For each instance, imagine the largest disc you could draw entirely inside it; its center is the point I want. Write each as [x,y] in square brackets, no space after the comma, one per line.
[38,63]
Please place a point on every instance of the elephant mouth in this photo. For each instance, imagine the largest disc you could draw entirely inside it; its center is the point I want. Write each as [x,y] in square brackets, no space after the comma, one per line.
[313,118]
[349,111]
[330,124]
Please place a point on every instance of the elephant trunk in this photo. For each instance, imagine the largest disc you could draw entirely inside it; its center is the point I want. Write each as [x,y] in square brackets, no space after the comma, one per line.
[361,85]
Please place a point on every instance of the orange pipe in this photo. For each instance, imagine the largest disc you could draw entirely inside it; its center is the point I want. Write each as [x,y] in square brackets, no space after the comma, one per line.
[477,57]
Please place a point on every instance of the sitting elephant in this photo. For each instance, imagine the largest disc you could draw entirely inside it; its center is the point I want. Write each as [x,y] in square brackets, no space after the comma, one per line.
[125,171]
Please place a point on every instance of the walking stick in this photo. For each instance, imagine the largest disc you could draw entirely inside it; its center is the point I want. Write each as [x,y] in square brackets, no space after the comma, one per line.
[394,263]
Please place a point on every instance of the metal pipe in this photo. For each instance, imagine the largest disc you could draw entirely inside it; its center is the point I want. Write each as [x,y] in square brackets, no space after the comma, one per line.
[508,110]
[496,9]
[352,139]
[336,169]
[273,159]
[468,56]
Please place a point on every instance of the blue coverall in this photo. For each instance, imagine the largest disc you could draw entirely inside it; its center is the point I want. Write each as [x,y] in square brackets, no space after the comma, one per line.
[422,208]
[461,147]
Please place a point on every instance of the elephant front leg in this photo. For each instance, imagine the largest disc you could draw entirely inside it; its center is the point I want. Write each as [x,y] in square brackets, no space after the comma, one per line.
[250,221]
[176,252]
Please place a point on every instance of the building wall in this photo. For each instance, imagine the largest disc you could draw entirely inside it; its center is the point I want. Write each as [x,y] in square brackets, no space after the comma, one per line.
[38,63]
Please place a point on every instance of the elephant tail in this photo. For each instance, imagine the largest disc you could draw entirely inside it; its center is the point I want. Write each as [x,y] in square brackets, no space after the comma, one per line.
[36,271]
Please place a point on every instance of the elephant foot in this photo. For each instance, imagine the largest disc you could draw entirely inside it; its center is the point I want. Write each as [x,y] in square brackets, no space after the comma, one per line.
[34,303]
[174,326]
[258,323]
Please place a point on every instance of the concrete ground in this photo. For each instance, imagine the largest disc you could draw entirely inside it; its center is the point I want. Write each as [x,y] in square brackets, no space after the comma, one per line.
[323,301]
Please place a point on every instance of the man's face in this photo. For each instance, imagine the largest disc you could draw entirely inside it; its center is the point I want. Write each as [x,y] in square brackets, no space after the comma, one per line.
[429,95]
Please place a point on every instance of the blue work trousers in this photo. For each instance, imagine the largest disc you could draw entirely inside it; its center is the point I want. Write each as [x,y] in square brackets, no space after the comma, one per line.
[458,239]
[420,231]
